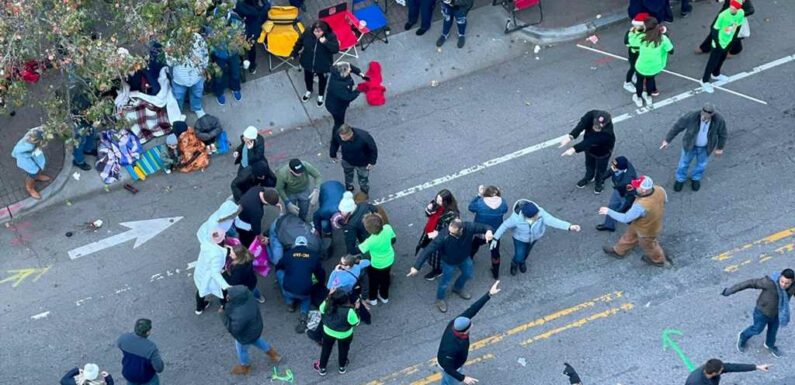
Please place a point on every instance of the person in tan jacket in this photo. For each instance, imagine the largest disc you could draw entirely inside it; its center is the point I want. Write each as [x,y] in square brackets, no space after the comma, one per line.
[645,219]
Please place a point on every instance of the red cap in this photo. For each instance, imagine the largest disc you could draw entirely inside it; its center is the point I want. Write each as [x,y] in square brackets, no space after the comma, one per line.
[642,181]
[641,16]
[736,4]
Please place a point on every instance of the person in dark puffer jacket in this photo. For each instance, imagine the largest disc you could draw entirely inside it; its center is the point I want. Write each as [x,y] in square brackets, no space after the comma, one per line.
[341,91]
[622,173]
[489,209]
[141,361]
[259,174]
[315,51]
[243,320]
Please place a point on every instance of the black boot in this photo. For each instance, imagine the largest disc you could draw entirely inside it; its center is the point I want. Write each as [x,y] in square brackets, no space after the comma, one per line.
[514,268]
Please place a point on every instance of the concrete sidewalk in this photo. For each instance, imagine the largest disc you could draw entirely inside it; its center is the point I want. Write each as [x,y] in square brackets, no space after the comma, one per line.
[272,103]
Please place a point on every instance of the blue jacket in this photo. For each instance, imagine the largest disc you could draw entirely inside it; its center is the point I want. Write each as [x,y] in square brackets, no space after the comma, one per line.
[525,232]
[298,264]
[330,196]
[345,280]
[141,360]
[487,215]
[27,159]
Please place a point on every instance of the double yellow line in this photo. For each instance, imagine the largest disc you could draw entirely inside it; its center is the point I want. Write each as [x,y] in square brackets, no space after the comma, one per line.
[762,257]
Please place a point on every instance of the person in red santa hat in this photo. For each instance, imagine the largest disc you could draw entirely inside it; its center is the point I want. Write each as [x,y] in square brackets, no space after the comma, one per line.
[634,33]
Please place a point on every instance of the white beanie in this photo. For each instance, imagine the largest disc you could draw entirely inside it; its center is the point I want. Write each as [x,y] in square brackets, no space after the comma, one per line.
[347,205]
[250,133]
[91,372]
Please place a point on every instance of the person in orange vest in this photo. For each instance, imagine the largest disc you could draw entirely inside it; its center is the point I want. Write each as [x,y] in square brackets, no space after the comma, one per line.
[645,219]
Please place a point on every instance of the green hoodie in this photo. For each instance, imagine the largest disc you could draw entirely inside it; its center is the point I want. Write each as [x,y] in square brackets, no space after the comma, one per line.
[652,58]
[727,25]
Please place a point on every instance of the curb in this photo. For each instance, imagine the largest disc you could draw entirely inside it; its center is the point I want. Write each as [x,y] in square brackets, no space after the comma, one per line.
[543,36]
[29,205]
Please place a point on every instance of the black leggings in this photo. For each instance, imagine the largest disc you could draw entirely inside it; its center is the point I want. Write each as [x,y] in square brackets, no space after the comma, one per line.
[646,82]
[321,81]
[633,57]
[716,58]
[379,282]
[328,344]
[434,260]
[202,303]
[495,252]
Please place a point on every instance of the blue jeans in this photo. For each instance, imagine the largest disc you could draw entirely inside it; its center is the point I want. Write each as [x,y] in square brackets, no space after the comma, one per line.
[85,143]
[301,199]
[230,74]
[701,157]
[242,350]
[303,300]
[196,93]
[760,321]
[448,379]
[617,203]
[521,250]
[275,247]
[460,16]
[447,276]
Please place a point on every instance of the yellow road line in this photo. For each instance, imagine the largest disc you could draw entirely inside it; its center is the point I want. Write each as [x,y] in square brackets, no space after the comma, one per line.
[579,323]
[436,377]
[764,241]
[764,257]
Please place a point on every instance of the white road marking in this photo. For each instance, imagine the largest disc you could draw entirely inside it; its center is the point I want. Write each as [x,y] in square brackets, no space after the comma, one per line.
[552,142]
[40,315]
[717,85]
[141,231]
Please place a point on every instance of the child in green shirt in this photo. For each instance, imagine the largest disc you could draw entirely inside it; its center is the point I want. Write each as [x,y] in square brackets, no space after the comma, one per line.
[380,246]
[653,50]
[722,32]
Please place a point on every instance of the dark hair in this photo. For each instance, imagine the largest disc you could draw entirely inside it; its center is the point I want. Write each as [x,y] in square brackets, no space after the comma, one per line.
[142,327]
[322,25]
[373,223]
[448,200]
[653,32]
[491,191]
[336,300]
[713,366]
[788,274]
[348,260]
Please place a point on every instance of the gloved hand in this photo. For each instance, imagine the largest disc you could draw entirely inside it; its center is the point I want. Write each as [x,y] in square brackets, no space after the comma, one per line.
[366,78]
[493,244]
[292,208]
[313,197]
[569,371]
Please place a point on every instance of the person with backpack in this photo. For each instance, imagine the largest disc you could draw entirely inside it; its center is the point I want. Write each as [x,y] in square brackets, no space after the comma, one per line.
[489,209]
[244,322]
[296,273]
[348,277]
[440,212]
[315,50]
[380,246]
[653,50]
[339,318]
[285,230]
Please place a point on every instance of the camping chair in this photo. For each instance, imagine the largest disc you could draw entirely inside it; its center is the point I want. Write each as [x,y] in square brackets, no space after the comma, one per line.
[279,35]
[514,6]
[346,26]
[375,18]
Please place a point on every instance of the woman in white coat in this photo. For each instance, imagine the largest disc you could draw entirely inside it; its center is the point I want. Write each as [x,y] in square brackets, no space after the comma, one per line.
[212,255]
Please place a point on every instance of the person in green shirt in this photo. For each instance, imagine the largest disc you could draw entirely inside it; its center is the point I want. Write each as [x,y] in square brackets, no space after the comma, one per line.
[380,245]
[653,50]
[722,33]
[338,317]
[292,183]
[638,24]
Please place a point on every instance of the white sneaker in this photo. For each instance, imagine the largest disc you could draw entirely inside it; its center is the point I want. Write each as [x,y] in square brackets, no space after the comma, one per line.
[629,87]
[200,113]
[647,99]
[320,100]
[384,301]
[637,100]
[720,78]
[306,96]
[372,302]
[708,88]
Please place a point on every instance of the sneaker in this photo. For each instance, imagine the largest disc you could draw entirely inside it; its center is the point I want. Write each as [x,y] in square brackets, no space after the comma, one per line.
[383,300]
[637,100]
[292,307]
[221,99]
[306,96]
[433,275]
[200,113]
[440,41]
[252,69]
[461,41]
[583,182]
[684,14]
[320,371]
[597,189]
[421,31]
[678,186]
[655,93]
[407,26]
[741,346]
[261,299]
[441,305]
[774,351]
[695,184]
[320,100]
[237,95]
[523,268]
[629,87]
[342,369]
[463,294]
[199,312]
[720,78]
[602,227]
[647,99]
[707,87]
[372,302]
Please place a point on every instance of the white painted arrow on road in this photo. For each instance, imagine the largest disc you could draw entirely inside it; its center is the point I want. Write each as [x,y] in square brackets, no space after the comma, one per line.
[141,231]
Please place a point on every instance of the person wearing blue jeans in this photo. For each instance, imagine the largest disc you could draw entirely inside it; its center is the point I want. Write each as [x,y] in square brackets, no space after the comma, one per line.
[298,271]
[704,133]
[243,320]
[86,145]
[454,245]
[188,75]
[422,10]
[291,298]
[242,350]
[229,77]
[196,94]
[621,173]
[520,252]
[458,10]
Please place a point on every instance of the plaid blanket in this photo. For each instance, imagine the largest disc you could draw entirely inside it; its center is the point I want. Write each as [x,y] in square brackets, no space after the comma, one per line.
[148,121]
[116,149]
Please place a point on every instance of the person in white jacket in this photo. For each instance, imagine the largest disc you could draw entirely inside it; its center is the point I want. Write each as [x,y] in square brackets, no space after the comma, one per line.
[528,222]
[212,255]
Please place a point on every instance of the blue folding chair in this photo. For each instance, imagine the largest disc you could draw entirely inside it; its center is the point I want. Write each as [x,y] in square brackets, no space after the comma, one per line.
[370,11]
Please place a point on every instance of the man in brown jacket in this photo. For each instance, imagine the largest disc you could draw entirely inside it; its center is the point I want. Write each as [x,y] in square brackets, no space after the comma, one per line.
[645,218]
[772,307]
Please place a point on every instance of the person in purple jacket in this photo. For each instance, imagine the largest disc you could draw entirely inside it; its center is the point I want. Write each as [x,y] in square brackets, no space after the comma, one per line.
[489,209]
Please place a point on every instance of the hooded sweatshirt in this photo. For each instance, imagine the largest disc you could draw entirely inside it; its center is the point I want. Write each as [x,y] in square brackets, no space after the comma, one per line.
[526,232]
[489,210]
[241,315]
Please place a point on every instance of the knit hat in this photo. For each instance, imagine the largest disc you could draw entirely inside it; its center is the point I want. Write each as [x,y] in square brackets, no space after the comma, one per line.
[296,166]
[271,196]
[529,210]
[639,19]
[462,324]
[250,133]
[736,4]
[301,241]
[178,128]
[643,182]
[90,372]
[621,162]
[171,140]
[258,169]
[347,205]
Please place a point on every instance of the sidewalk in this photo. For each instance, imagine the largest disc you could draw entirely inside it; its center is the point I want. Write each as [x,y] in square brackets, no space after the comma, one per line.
[272,102]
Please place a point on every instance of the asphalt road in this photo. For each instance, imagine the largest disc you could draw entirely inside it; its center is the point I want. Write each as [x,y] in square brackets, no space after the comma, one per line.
[575,304]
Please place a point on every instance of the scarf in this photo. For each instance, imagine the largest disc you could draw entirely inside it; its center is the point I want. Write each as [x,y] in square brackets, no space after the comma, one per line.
[783,301]
[244,157]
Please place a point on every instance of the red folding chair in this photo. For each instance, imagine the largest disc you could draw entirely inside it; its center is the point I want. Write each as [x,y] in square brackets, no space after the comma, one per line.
[514,6]
[346,26]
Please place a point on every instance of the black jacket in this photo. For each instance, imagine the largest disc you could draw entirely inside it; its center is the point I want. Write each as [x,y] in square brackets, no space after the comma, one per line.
[254,15]
[314,55]
[697,377]
[341,91]
[360,151]
[621,181]
[354,230]
[690,123]
[241,274]
[298,264]
[69,378]
[453,250]
[256,153]
[767,302]
[246,180]
[454,347]
[241,315]
[252,209]
[598,144]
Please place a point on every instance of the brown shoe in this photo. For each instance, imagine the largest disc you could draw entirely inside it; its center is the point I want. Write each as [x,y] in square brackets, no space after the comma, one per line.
[274,356]
[40,177]
[609,250]
[241,370]
[646,259]
[463,294]
[441,305]
[31,188]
